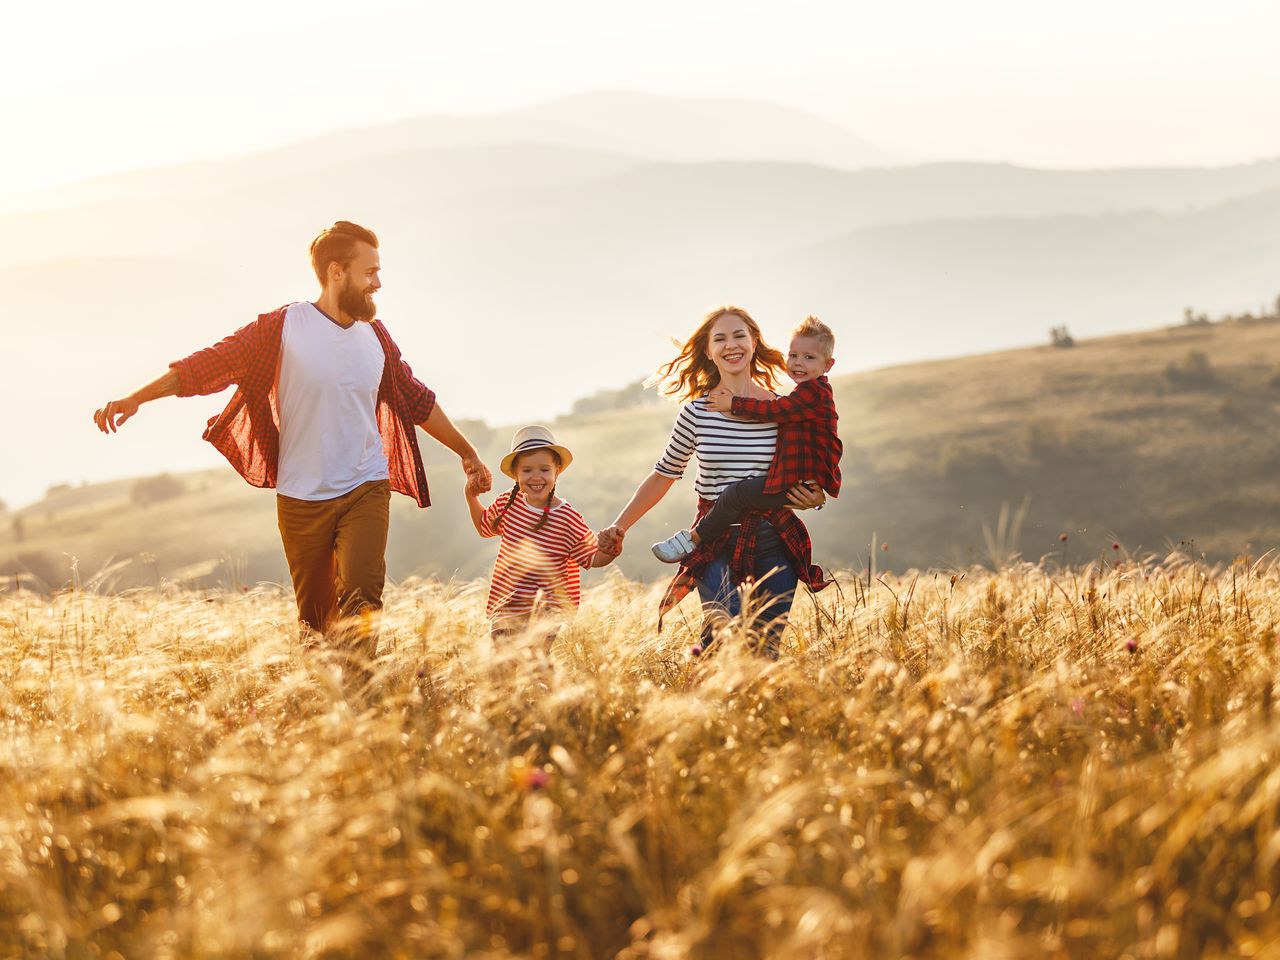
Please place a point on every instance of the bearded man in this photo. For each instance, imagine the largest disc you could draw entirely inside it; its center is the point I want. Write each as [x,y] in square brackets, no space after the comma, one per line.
[325,412]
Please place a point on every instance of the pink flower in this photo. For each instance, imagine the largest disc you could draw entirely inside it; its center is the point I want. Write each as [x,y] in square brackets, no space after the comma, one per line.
[535,779]
[1131,646]
[1077,706]
[884,546]
[696,650]
[1062,538]
[1115,546]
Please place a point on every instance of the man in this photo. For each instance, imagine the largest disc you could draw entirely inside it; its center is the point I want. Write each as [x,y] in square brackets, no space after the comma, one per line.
[324,411]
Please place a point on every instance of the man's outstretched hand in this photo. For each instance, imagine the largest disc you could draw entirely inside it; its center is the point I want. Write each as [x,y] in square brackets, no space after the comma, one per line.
[115,413]
[479,479]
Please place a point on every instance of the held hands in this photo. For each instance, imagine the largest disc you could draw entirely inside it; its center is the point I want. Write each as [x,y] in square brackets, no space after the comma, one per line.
[609,541]
[479,479]
[805,496]
[116,412]
[720,400]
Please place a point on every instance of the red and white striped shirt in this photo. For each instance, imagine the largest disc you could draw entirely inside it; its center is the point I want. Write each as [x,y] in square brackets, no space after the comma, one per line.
[536,565]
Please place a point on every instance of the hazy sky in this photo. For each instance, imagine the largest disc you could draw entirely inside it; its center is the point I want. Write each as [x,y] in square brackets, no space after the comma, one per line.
[94,87]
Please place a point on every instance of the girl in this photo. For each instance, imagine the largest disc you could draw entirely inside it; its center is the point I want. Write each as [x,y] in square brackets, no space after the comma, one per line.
[545,542]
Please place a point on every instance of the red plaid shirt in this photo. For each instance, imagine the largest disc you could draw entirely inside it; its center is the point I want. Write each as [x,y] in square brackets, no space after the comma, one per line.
[795,544]
[247,432]
[809,446]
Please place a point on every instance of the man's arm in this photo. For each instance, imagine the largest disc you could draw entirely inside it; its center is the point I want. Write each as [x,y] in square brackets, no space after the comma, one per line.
[110,417]
[206,371]
[439,427]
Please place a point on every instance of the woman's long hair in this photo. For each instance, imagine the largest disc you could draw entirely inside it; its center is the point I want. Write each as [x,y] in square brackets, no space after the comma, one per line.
[691,374]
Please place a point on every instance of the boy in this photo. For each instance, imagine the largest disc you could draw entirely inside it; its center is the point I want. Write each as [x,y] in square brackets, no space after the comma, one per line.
[808,449]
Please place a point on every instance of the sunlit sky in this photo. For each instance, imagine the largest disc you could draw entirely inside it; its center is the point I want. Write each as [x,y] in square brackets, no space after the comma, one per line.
[93,88]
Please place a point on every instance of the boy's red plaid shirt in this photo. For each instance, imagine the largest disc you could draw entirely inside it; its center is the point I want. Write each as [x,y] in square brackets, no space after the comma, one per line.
[247,432]
[809,446]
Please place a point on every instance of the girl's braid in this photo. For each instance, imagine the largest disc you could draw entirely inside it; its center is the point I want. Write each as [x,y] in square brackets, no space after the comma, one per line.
[515,490]
[546,510]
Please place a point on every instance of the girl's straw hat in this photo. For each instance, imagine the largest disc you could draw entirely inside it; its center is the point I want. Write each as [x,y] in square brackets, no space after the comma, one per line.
[534,438]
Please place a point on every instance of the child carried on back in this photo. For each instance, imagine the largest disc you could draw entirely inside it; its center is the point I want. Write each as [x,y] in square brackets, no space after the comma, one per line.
[808,449]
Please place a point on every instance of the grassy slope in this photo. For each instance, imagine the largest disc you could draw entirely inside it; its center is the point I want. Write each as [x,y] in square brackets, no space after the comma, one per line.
[1106,445]
[990,772]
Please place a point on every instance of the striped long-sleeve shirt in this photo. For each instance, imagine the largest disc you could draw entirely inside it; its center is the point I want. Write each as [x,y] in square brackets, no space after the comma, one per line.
[728,450]
[536,565]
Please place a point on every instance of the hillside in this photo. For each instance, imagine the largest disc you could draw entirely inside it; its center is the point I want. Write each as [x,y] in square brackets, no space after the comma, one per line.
[1108,440]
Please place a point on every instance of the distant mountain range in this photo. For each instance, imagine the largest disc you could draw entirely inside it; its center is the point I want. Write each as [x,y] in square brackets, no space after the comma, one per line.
[536,256]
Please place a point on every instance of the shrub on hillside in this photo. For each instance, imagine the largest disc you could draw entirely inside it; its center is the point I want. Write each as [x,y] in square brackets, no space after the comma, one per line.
[1061,337]
[155,489]
[1193,371]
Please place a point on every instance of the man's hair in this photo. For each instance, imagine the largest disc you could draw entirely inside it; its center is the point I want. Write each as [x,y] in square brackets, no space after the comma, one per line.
[811,326]
[337,244]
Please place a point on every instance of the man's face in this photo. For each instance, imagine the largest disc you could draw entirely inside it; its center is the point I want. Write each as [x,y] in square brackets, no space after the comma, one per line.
[359,283]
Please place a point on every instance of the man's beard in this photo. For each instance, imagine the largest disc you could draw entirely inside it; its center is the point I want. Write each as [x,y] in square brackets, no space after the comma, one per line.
[353,303]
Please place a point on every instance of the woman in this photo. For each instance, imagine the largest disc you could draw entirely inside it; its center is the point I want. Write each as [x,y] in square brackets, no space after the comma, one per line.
[771,548]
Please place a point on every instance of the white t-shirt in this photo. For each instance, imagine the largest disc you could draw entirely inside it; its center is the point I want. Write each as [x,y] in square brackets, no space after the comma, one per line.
[329,378]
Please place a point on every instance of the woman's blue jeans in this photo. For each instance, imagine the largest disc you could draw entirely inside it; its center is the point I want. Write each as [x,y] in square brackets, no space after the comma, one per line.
[775,589]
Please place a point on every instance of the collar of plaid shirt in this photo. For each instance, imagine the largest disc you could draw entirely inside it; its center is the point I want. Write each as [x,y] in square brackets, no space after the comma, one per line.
[795,544]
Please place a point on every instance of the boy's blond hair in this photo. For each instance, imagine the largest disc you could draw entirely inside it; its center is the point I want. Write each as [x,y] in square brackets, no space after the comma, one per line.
[811,326]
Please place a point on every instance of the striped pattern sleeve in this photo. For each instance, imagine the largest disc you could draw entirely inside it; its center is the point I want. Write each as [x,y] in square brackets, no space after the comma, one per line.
[684,439]
[727,450]
[489,520]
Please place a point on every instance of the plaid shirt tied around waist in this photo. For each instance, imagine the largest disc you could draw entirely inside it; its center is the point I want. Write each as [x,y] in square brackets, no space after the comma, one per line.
[809,446]
[795,544]
[247,431]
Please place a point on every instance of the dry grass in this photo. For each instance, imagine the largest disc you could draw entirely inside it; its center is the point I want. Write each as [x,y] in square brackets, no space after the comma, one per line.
[980,769]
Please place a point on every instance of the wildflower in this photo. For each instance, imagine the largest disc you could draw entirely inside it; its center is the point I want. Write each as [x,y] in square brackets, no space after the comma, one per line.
[696,650]
[527,777]
[1115,546]
[1131,645]
[1062,538]
[1077,706]
[884,546]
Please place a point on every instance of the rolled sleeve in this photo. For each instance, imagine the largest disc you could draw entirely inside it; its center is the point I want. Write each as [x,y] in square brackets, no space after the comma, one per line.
[215,368]
[419,399]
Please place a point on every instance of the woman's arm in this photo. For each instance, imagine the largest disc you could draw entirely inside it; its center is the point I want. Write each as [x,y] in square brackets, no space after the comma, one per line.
[651,490]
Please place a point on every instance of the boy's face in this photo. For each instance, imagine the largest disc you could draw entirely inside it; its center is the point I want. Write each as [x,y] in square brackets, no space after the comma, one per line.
[807,360]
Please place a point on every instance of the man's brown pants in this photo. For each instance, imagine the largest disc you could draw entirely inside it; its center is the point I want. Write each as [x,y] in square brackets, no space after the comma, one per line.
[336,551]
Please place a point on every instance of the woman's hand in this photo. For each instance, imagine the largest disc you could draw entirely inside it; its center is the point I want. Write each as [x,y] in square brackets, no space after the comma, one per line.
[806,496]
[609,540]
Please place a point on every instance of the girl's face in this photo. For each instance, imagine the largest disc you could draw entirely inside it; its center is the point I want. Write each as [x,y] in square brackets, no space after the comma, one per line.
[730,345]
[536,473]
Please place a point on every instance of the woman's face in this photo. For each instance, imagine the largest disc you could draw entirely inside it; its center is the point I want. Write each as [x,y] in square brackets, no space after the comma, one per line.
[731,346]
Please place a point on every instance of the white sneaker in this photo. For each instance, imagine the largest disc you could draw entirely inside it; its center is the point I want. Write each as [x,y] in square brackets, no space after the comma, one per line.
[675,548]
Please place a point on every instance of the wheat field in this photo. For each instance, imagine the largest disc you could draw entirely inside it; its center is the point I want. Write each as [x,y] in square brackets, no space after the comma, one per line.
[1025,763]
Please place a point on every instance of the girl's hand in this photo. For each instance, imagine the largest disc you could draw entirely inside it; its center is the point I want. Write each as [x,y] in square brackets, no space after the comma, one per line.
[806,496]
[609,541]
[477,474]
[720,400]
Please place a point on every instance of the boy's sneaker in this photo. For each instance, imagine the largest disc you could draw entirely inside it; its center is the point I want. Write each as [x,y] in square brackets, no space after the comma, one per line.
[676,548]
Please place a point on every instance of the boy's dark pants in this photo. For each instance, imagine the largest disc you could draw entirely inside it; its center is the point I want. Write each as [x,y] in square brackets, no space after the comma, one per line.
[744,495]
